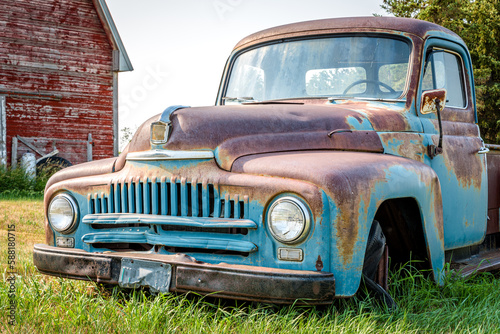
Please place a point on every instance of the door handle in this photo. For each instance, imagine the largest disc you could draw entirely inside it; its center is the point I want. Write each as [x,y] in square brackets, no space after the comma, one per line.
[483,150]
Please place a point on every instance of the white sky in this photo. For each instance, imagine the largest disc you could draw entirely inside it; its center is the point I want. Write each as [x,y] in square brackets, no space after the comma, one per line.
[179,48]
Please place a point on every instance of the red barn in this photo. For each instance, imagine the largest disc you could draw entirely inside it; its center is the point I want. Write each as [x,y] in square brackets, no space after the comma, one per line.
[59,64]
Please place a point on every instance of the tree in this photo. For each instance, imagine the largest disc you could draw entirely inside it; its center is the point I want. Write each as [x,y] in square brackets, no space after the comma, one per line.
[400,8]
[478,23]
[126,135]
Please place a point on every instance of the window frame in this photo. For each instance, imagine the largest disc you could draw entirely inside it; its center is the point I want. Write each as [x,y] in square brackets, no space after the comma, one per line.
[236,53]
[467,114]
[428,53]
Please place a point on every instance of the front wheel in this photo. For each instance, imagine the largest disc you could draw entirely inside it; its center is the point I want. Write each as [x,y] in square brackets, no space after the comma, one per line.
[375,265]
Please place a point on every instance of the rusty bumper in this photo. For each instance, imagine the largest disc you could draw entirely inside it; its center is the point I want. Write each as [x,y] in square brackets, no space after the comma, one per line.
[251,283]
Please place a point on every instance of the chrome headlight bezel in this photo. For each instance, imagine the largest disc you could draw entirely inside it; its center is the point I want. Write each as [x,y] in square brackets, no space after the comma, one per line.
[302,210]
[72,222]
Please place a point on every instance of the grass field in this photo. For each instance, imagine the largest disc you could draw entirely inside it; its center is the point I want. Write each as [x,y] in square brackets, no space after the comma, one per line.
[51,305]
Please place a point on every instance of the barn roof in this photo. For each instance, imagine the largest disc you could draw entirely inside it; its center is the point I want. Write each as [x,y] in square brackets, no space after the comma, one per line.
[122,62]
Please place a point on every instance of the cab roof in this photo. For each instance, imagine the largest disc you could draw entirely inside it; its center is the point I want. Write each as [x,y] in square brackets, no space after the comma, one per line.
[345,24]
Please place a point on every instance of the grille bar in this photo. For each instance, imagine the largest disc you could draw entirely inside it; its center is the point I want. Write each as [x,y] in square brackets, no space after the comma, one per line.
[168,197]
[175,239]
[116,218]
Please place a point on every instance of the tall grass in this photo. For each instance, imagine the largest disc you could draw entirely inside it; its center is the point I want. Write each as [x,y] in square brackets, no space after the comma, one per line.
[61,306]
[14,183]
[52,305]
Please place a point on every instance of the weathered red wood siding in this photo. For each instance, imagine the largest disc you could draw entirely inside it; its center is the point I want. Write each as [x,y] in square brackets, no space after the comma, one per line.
[57,47]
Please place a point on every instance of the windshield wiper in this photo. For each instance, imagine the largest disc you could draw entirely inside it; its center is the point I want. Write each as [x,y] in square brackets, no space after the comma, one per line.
[331,99]
[239,99]
[273,102]
[251,100]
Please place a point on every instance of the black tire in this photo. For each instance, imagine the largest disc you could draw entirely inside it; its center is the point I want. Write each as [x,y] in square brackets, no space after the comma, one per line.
[379,293]
[374,251]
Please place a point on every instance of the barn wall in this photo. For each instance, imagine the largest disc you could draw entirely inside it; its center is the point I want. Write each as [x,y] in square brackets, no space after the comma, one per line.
[3,134]
[56,67]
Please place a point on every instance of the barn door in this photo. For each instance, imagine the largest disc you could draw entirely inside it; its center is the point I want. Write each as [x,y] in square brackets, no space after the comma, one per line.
[3,132]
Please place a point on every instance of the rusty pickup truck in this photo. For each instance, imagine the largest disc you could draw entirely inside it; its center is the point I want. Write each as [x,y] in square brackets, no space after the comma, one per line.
[333,145]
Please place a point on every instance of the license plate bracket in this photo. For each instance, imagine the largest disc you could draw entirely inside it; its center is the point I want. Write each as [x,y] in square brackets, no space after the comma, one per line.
[135,273]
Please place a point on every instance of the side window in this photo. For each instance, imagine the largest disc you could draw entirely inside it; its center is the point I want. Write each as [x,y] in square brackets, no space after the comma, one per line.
[444,69]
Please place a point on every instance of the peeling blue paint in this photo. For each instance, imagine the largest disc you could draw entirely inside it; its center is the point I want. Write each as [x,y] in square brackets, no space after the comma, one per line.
[355,123]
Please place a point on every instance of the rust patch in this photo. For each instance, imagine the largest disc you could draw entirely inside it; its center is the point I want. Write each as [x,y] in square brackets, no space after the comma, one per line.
[316,288]
[408,145]
[431,99]
[459,129]
[319,264]
[461,158]
[381,117]
[431,181]
[347,223]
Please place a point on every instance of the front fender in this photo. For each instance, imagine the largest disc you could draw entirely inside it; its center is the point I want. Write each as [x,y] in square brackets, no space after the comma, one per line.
[357,184]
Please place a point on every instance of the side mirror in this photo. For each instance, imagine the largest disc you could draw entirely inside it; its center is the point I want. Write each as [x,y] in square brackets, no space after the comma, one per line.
[429,98]
[434,101]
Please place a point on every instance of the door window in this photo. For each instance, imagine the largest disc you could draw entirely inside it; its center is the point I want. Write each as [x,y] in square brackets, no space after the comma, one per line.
[444,69]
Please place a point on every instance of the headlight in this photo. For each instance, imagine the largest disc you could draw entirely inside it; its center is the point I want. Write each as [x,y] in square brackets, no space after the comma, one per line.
[289,219]
[62,213]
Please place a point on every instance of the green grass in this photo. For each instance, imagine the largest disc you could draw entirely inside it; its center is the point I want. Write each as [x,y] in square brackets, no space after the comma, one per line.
[52,305]
[21,195]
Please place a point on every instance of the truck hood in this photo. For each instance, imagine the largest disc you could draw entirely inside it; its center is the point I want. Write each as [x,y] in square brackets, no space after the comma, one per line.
[236,131]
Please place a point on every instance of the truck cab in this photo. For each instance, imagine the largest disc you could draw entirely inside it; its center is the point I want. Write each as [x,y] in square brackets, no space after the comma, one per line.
[332,145]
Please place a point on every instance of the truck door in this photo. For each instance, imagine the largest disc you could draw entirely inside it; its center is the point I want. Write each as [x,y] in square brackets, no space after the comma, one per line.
[461,169]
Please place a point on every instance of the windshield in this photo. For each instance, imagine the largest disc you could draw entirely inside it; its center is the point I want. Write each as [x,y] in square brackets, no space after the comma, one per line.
[334,67]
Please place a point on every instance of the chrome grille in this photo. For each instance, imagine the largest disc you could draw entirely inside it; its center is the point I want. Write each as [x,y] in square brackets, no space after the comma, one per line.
[171,197]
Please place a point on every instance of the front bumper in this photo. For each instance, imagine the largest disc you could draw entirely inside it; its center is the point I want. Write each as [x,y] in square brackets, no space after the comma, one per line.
[251,283]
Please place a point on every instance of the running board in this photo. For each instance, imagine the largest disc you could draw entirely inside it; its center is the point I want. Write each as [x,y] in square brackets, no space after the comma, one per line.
[483,262]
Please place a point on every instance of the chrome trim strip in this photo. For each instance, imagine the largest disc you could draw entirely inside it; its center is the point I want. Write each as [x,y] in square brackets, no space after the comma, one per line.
[154,155]
[134,218]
